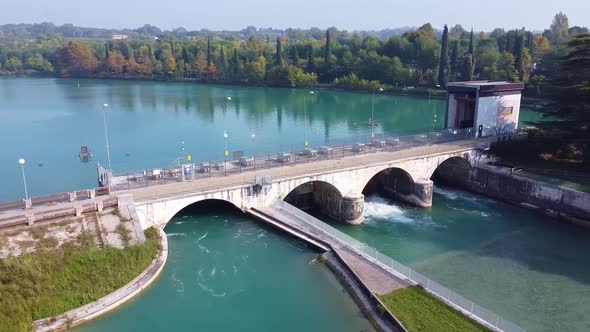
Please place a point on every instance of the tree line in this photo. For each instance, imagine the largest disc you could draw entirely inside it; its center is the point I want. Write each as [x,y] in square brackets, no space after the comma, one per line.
[418,57]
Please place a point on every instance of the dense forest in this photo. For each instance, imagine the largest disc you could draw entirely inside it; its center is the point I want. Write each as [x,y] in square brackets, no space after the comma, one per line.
[417,57]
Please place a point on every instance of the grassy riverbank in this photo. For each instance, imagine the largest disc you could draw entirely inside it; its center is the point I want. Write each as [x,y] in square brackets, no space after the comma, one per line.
[420,311]
[50,282]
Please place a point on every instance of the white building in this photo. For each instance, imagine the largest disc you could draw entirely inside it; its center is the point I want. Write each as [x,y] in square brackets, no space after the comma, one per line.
[119,37]
[488,107]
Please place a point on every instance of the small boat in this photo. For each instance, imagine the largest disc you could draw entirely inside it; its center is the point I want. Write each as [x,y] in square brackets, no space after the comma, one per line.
[85,153]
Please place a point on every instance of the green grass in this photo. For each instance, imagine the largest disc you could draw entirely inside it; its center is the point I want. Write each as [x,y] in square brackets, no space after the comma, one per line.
[50,282]
[421,311]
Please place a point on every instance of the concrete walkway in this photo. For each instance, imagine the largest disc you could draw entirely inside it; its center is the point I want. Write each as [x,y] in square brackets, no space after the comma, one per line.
[237,179]
[378,280]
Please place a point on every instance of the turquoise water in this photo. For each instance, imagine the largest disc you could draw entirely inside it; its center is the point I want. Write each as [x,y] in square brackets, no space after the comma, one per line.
[526,267]
[226,272]
[46,121]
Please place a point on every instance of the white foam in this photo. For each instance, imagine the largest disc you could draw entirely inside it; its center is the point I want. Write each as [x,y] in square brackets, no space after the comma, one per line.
[204,236]
[379,208]
[175,234]
[449,194]
[210,291]
[204,248]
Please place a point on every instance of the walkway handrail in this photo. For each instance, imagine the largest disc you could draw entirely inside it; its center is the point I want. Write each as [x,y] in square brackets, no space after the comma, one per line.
[313,153]
[45,200]
[458,302]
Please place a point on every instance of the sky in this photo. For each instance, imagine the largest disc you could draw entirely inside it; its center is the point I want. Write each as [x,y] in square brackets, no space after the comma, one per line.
[342,14]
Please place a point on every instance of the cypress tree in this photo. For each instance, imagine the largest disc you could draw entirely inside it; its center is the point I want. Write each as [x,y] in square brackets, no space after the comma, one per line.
[310,65]
[519,56]
[106,50]
[468,67]
[279,59]
[150,52]
[208,52]
[471,42]
[454,60]
[328,55]
[294,55]
[443,69]
[236,63]
[508,47]
[222,60]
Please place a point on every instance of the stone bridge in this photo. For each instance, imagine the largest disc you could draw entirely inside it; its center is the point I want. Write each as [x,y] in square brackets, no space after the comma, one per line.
[335,187]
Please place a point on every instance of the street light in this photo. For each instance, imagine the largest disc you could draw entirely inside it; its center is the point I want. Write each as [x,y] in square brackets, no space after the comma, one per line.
[225,152]
[305,118]
[373,114]
[106,135]
[22,166]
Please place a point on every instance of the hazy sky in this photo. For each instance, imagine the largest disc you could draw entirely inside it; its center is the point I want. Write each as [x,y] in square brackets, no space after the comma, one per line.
[343,14]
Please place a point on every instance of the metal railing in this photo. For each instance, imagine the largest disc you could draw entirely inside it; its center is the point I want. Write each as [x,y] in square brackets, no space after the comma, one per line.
[312,153]
[455,300]
[51,199]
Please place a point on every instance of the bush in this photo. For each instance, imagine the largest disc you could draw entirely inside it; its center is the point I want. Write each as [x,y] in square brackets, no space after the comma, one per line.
[50,282]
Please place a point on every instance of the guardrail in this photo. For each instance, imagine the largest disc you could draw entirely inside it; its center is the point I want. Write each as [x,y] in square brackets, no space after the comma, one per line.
[467,307]
[46,200]
[74,210]
[312,153]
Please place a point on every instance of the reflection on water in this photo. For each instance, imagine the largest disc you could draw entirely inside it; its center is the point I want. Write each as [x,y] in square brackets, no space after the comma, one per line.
[528,268]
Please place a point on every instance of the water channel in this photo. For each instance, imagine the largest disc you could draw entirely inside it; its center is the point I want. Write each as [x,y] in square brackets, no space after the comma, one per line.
[523,266]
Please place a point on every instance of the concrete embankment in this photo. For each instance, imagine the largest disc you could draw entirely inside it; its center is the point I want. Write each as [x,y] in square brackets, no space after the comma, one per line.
[363,280]
[107,303]
[500,183]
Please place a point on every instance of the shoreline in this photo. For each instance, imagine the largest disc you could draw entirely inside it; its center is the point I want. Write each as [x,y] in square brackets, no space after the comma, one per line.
[110,301]
[420,92]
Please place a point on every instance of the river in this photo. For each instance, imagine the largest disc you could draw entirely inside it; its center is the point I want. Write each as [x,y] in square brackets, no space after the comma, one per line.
[521,265]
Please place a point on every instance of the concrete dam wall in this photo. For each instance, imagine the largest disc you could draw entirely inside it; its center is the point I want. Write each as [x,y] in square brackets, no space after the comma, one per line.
[500,184]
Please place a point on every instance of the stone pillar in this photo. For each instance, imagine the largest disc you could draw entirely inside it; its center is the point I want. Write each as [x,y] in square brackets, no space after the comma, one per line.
[125,199]
[423,192]
[91,193]
[99,206]
[72,196]
[30,218]
[28,204]
[420,193]
[79,210]
[352,208]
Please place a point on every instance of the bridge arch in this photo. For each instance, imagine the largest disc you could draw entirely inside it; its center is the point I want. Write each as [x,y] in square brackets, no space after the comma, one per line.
[453,171]
[159,213]
[203,204]
[327,198]
[399,184]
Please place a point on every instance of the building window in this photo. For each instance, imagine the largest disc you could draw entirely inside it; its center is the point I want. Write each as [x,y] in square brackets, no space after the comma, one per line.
[507,110]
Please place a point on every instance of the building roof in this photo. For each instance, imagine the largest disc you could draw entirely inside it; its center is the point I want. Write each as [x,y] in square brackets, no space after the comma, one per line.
[484,87]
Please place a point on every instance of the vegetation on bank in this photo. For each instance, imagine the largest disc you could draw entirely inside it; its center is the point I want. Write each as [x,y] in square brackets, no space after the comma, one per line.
[52,281]
[420,57]
[561,141]
[420,311]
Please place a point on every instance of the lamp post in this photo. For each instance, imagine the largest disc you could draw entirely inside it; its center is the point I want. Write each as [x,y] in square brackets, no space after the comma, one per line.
[106,135]
[373,115]
[225,152]
[21,162]
[306,143]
